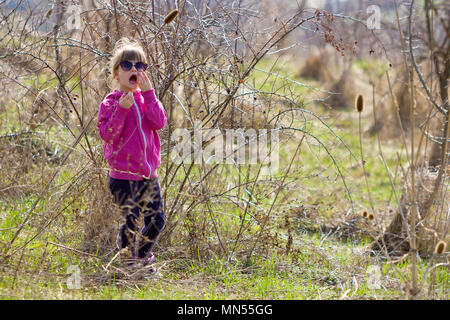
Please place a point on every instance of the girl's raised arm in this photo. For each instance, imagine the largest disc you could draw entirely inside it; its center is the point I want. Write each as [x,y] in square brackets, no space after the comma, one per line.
[155,114]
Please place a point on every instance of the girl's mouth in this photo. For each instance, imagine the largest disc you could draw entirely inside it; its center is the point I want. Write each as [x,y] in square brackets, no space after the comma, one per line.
[133,79]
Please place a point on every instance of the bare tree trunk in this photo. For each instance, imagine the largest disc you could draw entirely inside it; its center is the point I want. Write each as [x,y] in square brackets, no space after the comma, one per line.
[60,11]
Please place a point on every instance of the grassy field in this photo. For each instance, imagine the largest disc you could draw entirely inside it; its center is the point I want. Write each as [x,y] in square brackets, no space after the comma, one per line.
[315,247]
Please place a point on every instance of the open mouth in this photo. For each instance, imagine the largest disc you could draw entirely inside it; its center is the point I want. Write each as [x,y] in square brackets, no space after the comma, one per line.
[133,79]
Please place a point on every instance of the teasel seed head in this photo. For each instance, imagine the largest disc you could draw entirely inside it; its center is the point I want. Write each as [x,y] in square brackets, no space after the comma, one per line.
[441,246]
[171,16]
[371,216]
[359,104]
[364,214]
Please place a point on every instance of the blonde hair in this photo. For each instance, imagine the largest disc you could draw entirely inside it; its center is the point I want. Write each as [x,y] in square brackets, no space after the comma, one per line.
[125,49]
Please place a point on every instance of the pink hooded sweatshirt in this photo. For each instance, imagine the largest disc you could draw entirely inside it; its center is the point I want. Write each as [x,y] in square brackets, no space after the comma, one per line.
[132,146]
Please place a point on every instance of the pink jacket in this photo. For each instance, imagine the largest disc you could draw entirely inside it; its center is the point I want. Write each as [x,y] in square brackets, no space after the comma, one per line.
[132,146]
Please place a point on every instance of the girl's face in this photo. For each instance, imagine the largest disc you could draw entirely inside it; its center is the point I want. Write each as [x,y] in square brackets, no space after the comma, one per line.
[128,79]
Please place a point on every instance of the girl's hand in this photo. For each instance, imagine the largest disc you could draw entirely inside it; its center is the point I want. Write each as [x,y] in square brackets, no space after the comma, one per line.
[144,81]
[126,100]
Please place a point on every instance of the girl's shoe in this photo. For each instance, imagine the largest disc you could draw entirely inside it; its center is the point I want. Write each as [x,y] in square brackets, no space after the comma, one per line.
[141,262]
[150,259]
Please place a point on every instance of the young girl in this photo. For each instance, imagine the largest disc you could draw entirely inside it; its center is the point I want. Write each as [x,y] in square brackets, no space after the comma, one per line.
[128,121]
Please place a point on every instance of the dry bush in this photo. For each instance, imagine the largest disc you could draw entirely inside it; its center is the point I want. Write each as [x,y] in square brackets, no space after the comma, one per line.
[247,113]
[343,92]
[99,221]
[430,228]
[318,65]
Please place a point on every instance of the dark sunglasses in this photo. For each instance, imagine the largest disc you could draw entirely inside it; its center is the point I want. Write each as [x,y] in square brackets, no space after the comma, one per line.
[127,65]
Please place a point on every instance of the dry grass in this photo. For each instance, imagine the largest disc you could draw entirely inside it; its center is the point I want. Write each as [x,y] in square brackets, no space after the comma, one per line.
[318,65]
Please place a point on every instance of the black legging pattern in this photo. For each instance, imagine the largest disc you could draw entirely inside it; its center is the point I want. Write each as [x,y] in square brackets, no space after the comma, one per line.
[135,197]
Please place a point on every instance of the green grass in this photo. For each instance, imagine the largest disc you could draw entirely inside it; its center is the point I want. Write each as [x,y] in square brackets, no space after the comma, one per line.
[372,67]
[305,275]
[316,270]
[279,76]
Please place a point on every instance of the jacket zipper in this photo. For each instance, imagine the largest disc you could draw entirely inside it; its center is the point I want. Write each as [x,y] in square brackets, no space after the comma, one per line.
[143,135]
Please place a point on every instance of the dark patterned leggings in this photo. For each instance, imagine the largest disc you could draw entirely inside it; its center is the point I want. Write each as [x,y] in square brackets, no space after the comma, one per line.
[135,197]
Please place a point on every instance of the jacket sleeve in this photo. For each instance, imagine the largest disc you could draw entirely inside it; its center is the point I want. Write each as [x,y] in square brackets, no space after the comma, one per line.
[111,120]
[155,114]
